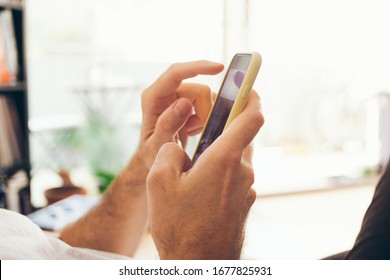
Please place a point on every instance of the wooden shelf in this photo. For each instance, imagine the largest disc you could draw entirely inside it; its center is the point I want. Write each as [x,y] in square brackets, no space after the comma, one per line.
[9,171]
[17,100]
[13,5]
[20,86]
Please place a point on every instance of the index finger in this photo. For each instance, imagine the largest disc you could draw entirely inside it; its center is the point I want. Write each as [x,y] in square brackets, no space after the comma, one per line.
[170,80]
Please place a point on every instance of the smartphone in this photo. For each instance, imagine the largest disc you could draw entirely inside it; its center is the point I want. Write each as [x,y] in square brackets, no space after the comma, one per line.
[231,99]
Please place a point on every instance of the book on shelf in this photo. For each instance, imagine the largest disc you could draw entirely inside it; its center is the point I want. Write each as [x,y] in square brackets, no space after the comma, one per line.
[10,133]
[13,186]
[3,198]
[12,3]
[8,50]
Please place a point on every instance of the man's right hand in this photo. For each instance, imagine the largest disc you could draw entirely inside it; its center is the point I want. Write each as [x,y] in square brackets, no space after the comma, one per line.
[199,212]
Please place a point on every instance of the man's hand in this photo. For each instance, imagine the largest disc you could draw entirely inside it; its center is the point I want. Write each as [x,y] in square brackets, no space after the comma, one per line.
[200,212]
[172,110]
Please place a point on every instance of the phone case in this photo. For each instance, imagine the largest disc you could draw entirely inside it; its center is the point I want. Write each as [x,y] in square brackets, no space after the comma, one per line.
[246,87]
[240,100]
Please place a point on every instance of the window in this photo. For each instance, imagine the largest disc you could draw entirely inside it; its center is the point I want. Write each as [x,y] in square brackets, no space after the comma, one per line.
[97,56]
[323,65]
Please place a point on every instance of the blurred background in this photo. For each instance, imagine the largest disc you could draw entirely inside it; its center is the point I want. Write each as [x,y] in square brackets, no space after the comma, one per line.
[324,85]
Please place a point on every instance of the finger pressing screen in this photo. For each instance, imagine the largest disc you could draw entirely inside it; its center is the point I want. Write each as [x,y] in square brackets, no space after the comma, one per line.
[170,80]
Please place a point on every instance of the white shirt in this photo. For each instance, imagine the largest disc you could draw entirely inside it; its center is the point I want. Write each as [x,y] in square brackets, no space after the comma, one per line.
[22,239]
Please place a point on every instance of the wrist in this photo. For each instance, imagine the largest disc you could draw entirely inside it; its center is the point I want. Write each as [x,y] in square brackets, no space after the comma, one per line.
[139,161]
[137,169]
[201,250]
[132,179]
[200,255]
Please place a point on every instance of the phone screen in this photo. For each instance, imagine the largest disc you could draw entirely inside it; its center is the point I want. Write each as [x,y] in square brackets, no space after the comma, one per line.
[224,102]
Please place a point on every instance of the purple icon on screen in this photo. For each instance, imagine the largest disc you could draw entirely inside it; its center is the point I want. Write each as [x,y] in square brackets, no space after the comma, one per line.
[238,78]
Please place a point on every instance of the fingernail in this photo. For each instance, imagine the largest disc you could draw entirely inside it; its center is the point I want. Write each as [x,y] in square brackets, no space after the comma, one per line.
[182,108]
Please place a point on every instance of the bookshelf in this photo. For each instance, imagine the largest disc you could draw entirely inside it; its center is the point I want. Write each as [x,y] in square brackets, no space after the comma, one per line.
[14,133]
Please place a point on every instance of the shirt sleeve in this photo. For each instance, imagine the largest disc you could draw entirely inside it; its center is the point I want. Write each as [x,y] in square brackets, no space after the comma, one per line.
[22,239]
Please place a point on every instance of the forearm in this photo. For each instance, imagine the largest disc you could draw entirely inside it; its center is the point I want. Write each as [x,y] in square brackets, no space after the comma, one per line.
[118,222]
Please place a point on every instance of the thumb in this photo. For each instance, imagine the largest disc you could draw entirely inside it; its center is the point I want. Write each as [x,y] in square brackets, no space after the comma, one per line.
[244,128]
[164,176]
[171,161]
[173,119]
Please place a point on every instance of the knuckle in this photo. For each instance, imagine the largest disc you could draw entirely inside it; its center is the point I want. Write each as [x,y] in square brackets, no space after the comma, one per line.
[173,72]
[249,176]
[236,158]
[248,153]
[255,93]
[145,97]
[258,118]
[168,146]
[205,89]
[173,68]
[161,170]
[252,196]
[154,178]
[232,158]
[162,127]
